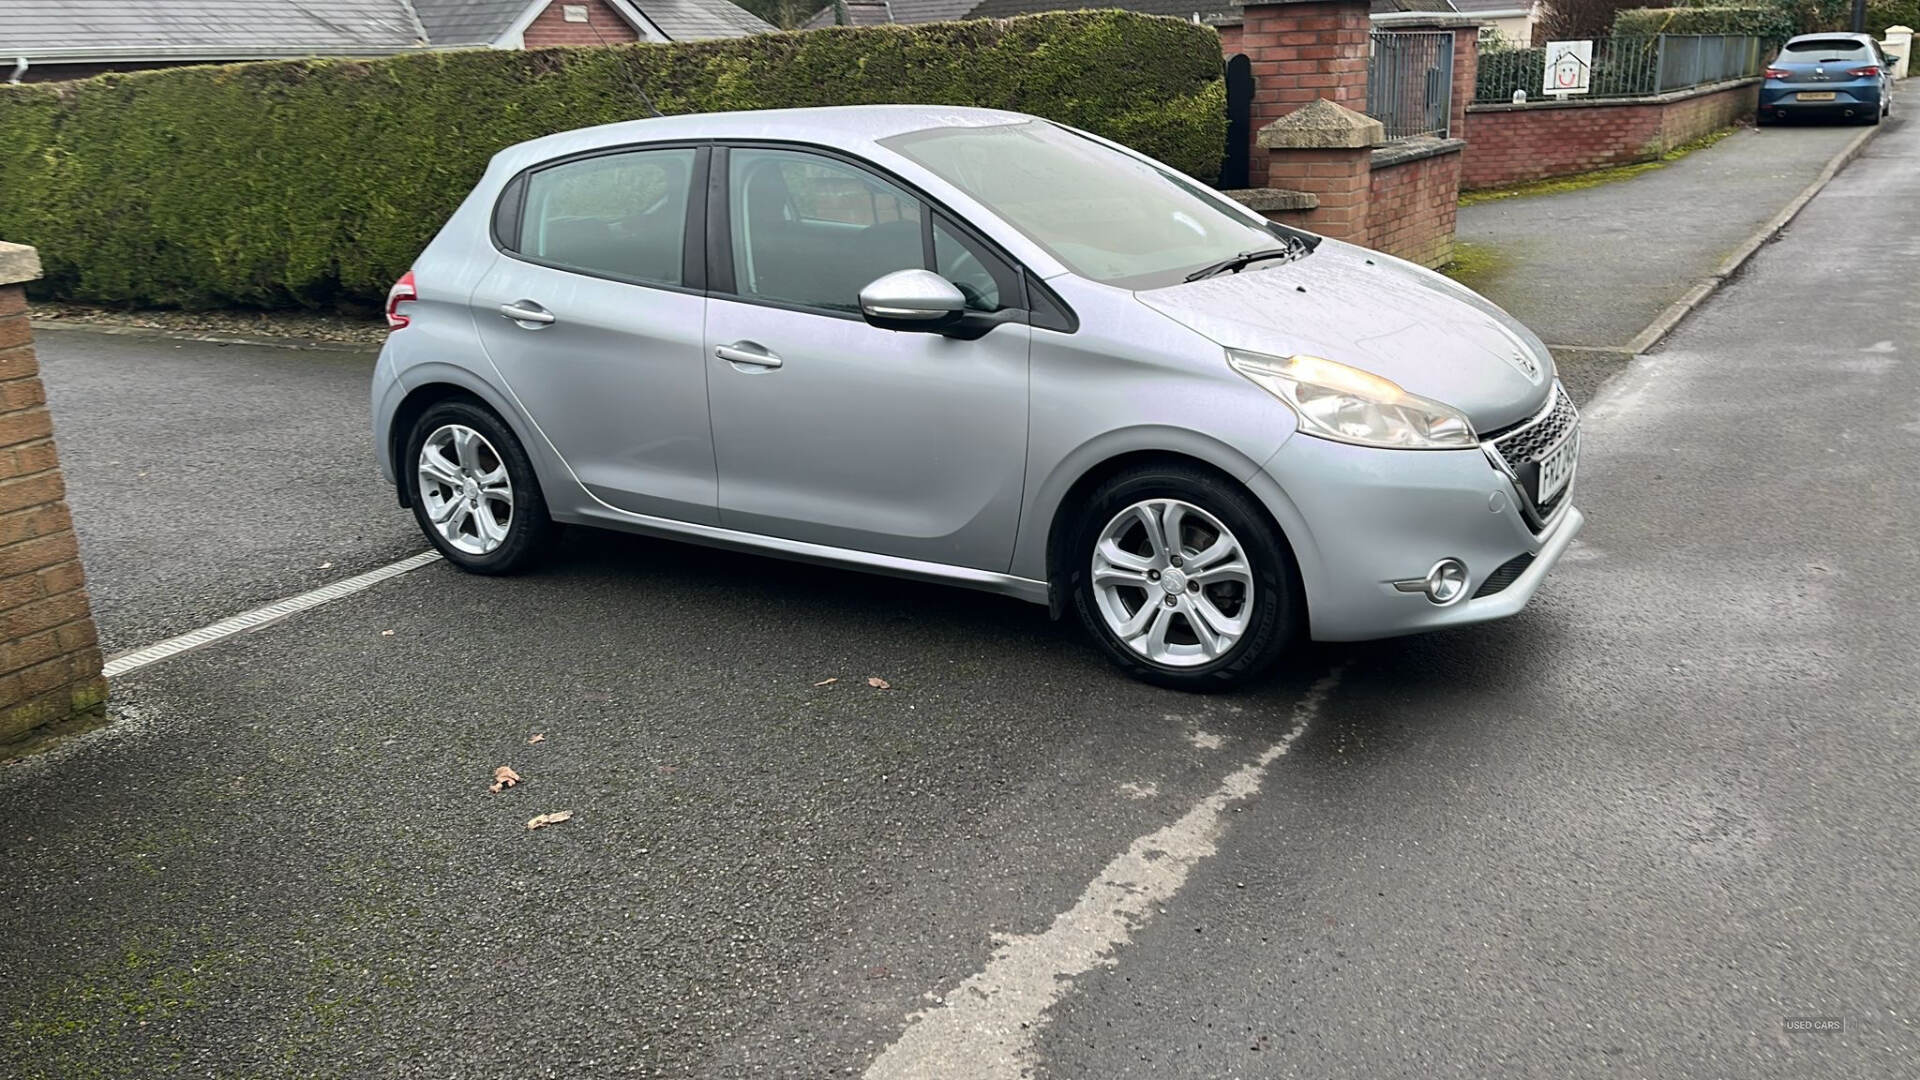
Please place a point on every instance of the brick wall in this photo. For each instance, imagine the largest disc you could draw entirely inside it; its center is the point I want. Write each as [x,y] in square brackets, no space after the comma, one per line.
[1509,144]
[1302,52]
[1414,193]
[1229,39]
[604,26]
[49,654]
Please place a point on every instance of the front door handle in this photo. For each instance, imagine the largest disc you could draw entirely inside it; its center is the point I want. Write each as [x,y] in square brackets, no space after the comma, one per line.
[746,352]
[526,311]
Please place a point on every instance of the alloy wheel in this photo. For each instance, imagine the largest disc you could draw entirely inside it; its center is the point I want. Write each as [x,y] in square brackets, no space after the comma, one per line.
[1172,583]
[465,489]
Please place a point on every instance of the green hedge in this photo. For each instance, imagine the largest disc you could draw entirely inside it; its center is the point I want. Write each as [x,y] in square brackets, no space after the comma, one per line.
[1884,13]
[316,182]
[1771,23]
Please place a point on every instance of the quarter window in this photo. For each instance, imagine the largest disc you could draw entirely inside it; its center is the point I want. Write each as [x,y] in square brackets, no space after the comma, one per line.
[813,231]
[981,277]
[622,216]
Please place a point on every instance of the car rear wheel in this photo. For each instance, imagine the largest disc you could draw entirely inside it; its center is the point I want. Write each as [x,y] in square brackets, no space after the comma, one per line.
[474,491]
[1183,580]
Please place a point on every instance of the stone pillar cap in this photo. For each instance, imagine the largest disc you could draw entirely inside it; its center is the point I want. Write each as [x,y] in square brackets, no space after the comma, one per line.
[1322,125]
[18,263]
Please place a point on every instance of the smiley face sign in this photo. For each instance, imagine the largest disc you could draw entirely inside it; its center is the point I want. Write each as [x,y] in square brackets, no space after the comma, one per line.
[1569,67]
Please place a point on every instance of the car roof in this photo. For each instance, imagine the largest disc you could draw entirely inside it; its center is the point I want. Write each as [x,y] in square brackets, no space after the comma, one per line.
[849,127]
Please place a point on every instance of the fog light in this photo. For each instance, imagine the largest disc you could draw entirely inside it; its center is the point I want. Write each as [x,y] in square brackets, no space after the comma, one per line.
[1444,584]
[1447,581]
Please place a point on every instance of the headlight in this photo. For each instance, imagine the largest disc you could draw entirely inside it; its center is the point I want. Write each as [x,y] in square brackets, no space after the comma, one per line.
[1346,404]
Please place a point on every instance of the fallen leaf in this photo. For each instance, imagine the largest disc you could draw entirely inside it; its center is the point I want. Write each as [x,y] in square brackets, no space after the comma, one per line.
[386,633]
[503,778]
[545,820]
[326,566]
[828,682]
[878,683]
[536,739]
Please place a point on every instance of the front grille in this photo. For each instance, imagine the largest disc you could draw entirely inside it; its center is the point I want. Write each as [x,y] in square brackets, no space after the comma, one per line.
[1508,573]
[1528,443]
[1520,449]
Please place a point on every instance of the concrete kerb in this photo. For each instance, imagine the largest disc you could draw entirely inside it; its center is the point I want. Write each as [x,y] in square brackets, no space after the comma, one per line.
[1646,339]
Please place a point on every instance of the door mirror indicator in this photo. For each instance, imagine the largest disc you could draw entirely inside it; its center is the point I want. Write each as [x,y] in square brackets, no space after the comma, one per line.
[913,300]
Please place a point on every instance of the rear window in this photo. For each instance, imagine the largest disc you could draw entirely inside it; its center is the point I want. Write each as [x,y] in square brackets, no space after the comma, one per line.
[1829,46]
[622,216]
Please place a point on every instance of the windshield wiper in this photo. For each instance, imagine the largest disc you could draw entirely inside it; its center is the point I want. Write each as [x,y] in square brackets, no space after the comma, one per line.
[1243,260]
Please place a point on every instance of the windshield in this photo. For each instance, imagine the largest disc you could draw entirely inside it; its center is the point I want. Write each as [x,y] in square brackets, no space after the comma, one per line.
[1105,215]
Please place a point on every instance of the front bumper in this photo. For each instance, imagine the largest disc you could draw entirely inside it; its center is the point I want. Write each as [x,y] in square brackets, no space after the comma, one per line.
[1362,519]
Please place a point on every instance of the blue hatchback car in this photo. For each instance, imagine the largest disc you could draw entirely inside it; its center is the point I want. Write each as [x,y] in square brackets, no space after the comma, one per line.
[1828,75]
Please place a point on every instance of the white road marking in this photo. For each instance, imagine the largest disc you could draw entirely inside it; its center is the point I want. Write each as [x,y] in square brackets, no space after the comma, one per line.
[258,617]
[986,1028]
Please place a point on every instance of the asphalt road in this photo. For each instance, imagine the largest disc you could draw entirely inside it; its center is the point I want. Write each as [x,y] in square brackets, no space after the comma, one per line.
[1626,833]
[210,479]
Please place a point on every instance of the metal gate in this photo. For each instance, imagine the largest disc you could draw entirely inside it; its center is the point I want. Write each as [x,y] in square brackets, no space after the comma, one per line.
[1410,82]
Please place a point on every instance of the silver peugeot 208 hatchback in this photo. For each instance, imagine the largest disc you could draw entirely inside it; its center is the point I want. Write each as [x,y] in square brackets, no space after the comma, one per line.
[981,348]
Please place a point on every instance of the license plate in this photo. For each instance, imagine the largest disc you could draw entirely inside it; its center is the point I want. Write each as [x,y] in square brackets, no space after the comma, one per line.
[1557,468]
[1827,96]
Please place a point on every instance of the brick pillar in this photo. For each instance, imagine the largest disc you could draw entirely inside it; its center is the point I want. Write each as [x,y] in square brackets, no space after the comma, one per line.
[1466,76]
[1326,150]
[50,678]
[1303,51]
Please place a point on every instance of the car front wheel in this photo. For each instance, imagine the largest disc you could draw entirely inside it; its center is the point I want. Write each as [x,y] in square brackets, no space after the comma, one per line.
[474,491]
[1183,580]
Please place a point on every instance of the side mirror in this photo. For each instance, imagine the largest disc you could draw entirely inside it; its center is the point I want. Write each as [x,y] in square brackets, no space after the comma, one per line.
[912,300]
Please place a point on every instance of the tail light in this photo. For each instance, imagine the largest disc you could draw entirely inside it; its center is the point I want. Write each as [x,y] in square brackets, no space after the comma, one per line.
[1871,71]
[1777,73]
[402,292]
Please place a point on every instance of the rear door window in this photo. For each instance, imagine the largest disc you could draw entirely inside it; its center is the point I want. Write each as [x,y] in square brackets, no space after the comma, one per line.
[620,216]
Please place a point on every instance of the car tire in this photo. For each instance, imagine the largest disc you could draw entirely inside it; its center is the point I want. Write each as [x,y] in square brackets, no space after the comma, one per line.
[460,508]
[1213,508]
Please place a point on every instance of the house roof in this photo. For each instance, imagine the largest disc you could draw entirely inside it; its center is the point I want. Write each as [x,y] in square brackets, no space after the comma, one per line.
[1474,7]
[690,20]
[463,22]
[204,28]
[1387,7]
[873,12]
[55,30]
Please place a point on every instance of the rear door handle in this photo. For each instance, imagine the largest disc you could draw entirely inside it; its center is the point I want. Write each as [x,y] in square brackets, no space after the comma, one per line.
[746,352]
[526,311]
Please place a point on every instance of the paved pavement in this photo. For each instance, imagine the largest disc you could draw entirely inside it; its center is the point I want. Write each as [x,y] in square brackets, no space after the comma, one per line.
[1643,242]
[1625,833]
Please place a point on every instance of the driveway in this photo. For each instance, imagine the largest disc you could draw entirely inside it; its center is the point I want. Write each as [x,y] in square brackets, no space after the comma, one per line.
[1631,831]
